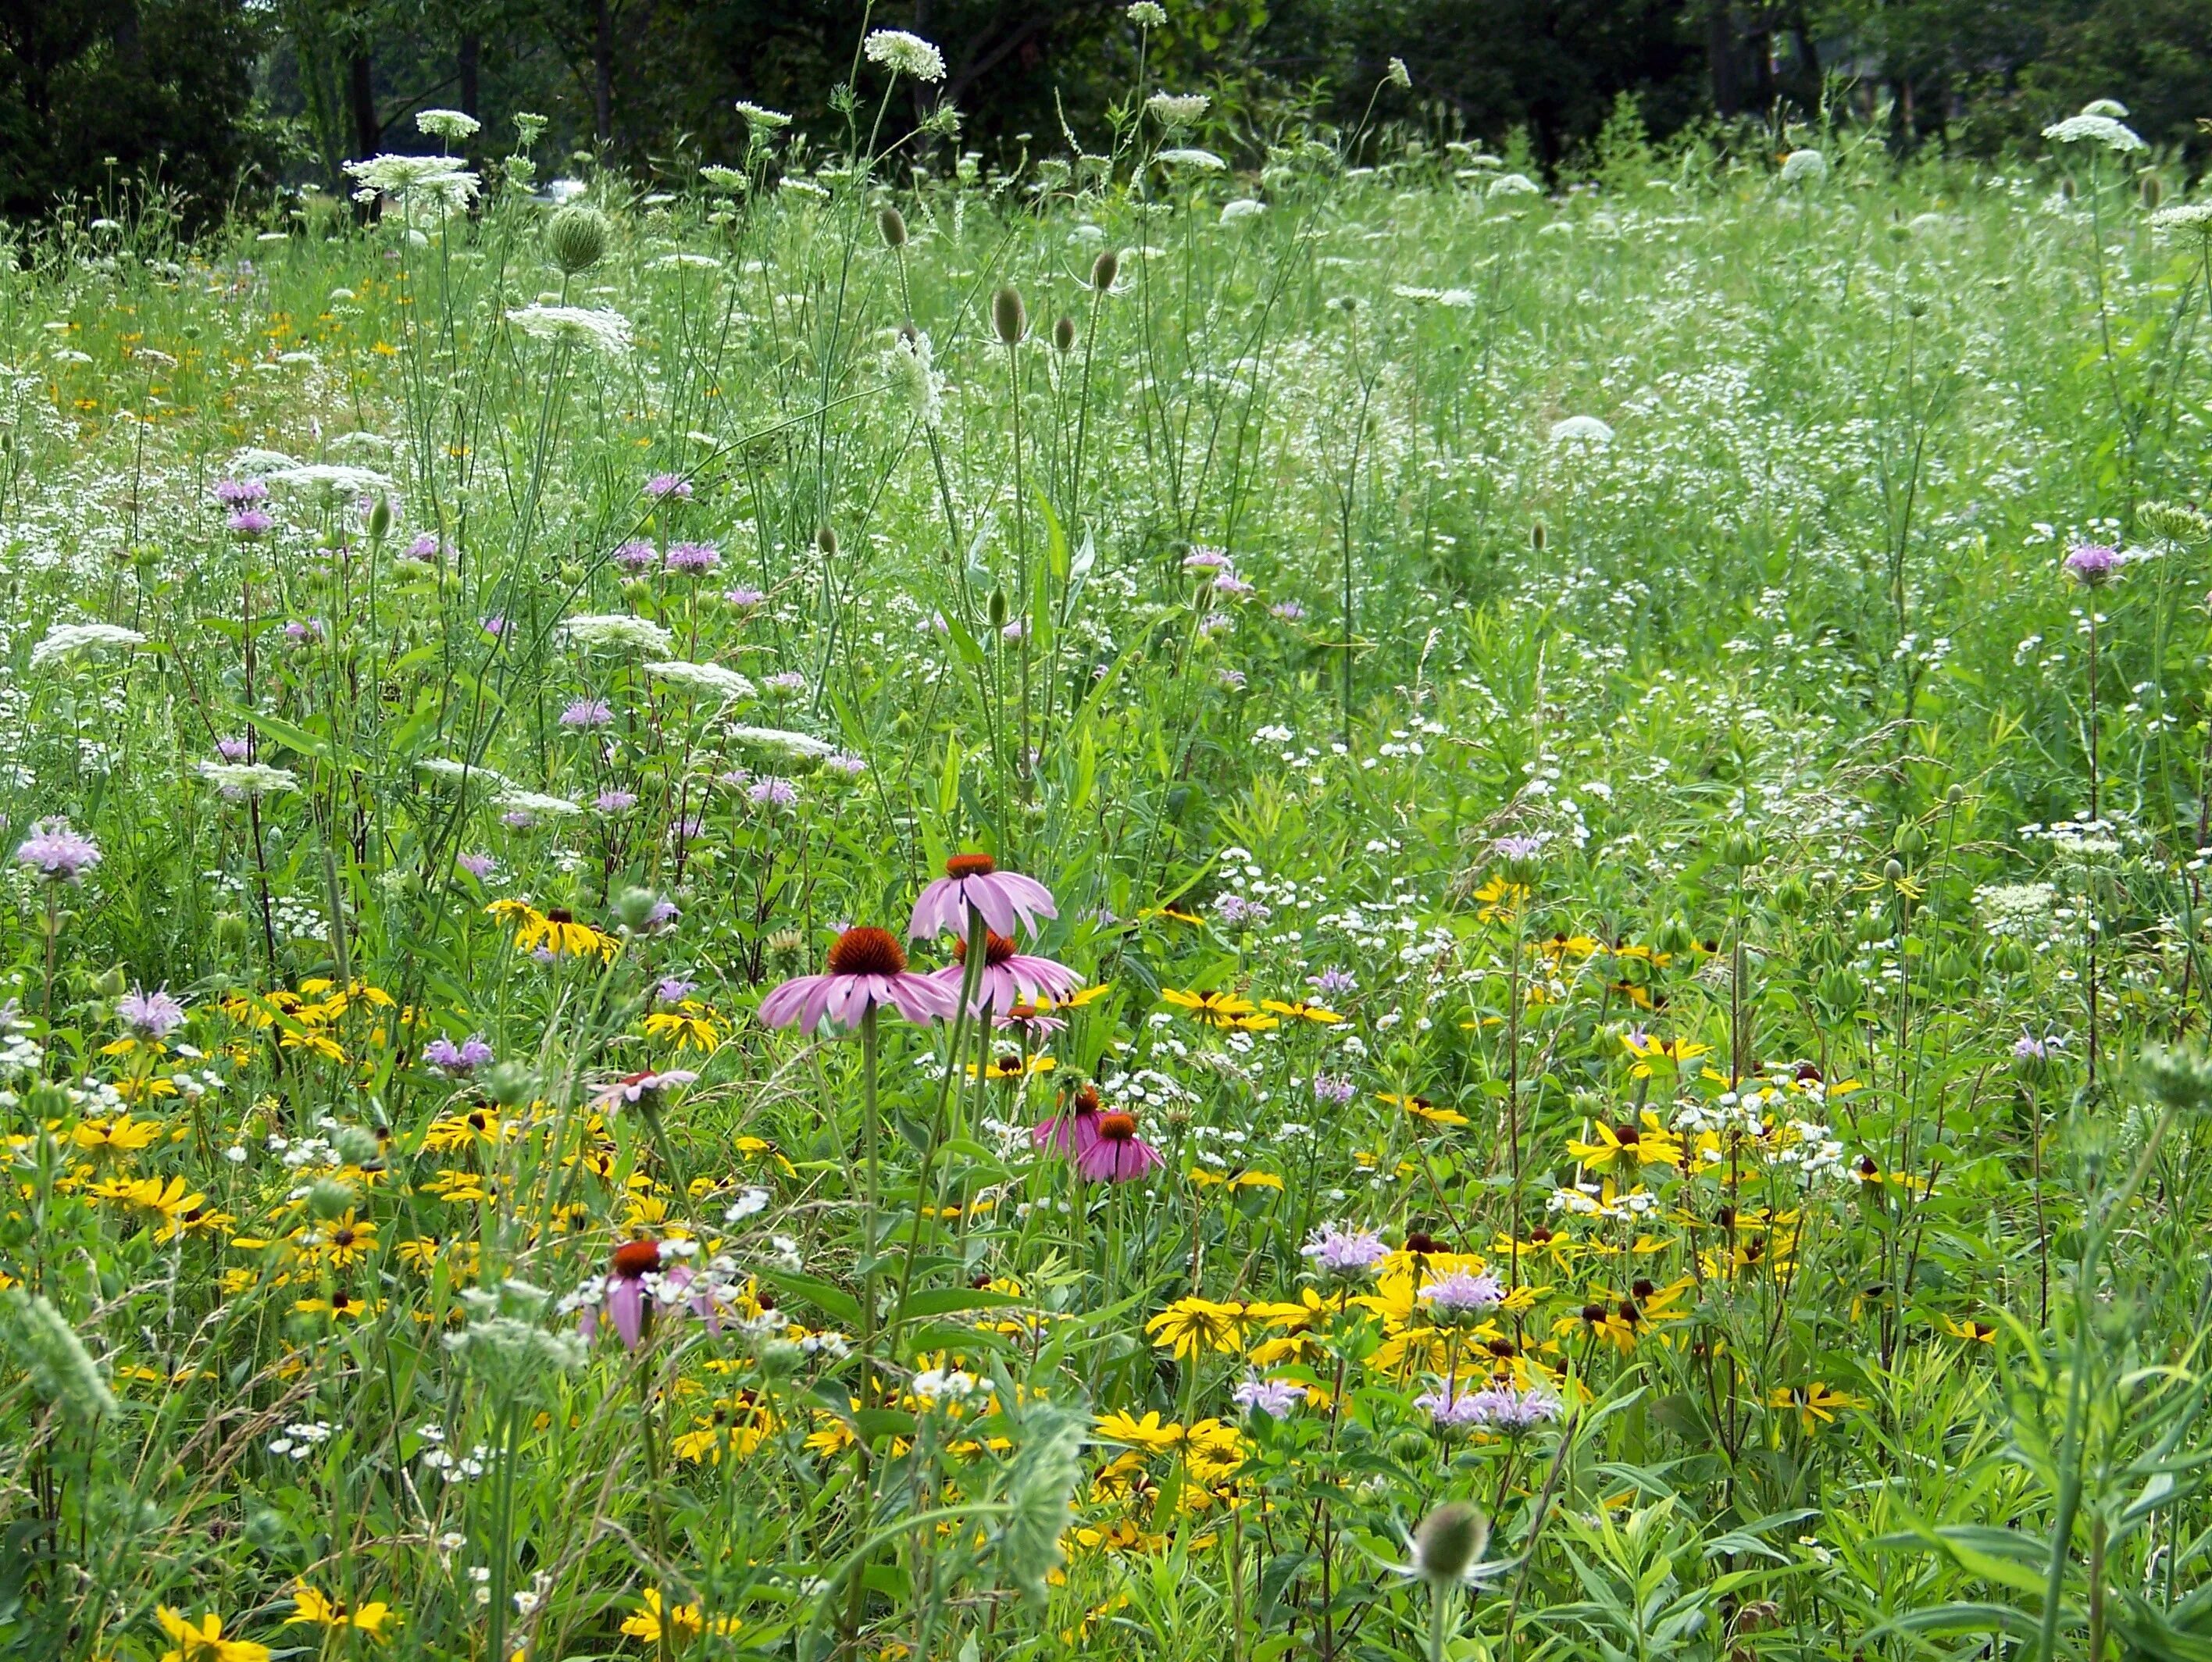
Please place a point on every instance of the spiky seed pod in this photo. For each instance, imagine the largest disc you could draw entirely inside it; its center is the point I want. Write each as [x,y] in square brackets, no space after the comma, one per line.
[2153,189]
[1448,1543]
[1105,269]
[1009,316]
[577,237]
[1063,335]
[1536,536]
[826,541]
[892,224]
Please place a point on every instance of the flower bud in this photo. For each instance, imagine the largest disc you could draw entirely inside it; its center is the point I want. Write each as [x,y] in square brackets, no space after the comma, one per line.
[510,1084]
[1008,315]
[1909,839]
[329,1198]
[229,930]
[110,984]
[1742,848]
[1450,1543]
[576,237]
[892,224]
[356,1145]
[999,608]
[379,518]
[1105,269]
[1063,335]
[1536,536]
[826,541]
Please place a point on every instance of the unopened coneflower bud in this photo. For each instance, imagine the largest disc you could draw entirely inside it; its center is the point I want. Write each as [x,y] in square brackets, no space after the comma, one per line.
[1448,1543]
[62,1370]
[892,224]
[229,930]
[576,237]
[112,984]
[1892,872]
[1105,269]
[826,541]
[509,1085]
[787,947]
[1063,335]
[1009,316]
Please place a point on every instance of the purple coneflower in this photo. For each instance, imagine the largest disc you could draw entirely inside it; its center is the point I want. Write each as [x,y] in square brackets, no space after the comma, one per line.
[1117,1153]
[635,556]
[2093,565]
[1073,1130]
[458,1061]
[149,1014]
[588,713]
[495,626]
[427,548]
[1006,900]
[643,1089]
[1345,1254]
[58,853]
[693,559]
[662,486]
[1007,978]
[1275,1399]
[633,1261]
[866,971]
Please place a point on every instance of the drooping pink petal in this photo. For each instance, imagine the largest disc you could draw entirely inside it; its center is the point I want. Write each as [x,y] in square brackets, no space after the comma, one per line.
[626,1307]
[781,1006]
[940,910]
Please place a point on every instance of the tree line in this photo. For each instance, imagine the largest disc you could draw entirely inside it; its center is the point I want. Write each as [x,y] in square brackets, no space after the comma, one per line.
[224,101]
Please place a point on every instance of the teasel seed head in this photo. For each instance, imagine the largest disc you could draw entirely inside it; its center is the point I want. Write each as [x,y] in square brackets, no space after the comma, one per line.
[892,224]
[1009,316]
[1105,269]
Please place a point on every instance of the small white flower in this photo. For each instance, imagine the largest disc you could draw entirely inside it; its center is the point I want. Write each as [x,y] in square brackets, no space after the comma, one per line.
[616,631]
[759,115]
[1513,184]
[902,54]
[1146,13]
[1178,109]
[726,684]
[602,331]
[533,802]
[240,779]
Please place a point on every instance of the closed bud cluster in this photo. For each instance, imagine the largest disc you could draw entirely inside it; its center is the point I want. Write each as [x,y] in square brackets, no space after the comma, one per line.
[577,237]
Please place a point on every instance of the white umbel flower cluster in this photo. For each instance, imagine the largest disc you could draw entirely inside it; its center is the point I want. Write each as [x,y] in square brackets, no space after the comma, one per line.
[1804,167]
[617,632]
[714,678]
[606,333]
[902,54]
[2087,129]
[239,780]
[66,639]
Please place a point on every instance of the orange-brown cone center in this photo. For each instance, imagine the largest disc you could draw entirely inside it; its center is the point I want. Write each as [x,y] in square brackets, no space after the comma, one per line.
[1117,1127]
[867,951]
[970,865]
[633,1259]
[997,949]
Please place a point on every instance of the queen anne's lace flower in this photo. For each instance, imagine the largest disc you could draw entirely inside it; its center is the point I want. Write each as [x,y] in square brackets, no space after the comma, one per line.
[2087,129]
[606,333]
[64,639]
[902,54]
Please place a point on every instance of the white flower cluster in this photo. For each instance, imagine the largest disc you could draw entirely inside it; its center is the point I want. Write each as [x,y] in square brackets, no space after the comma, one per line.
[66,639]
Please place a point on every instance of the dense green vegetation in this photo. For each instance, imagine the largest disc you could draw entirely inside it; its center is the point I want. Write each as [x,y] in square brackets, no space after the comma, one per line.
[1618,774]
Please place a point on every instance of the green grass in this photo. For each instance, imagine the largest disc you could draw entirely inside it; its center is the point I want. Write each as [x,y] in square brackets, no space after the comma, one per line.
[1596,783]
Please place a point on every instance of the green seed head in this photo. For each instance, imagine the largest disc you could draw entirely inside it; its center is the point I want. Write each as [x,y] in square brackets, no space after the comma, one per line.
[1450,1543]
[1105,269]
[892,224]
[1009,316]
[577,237]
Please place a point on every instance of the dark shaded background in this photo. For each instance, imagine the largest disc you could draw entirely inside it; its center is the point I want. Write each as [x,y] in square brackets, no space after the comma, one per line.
[223,100]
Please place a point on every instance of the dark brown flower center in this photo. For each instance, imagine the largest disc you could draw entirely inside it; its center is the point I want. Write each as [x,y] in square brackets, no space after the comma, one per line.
[1627,1134]
[1117,1127]
[633,1259]
[1594,1314]
[1643,1289]
[970,865]
[997,949]
[867,951]
[559,914]
[1086,1100]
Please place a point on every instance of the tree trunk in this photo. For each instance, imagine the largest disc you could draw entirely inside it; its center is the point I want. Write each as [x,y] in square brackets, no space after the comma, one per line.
[471,55]
[1721,56]
[367,133]
[603,73]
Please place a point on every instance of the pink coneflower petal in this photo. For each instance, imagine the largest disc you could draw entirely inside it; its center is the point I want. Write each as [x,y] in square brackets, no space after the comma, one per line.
[626,1308]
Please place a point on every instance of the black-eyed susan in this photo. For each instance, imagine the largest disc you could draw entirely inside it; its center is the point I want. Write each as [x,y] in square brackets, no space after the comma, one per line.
[1647,1142]
[312,1608]
[117,1137]
[1421,1109]
[1816,1405]
[1974,1333]
[555,930]
[1193,1325]
[202,1641]
[1013,1066]
[1217,1008]
[1652,1052]
[690,1024]
[1300,1010]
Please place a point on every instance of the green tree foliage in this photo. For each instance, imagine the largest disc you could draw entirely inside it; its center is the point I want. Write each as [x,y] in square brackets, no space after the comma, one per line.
[92,91]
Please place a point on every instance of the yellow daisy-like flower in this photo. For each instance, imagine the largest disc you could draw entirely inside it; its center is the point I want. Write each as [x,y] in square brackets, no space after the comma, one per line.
[120,1136]
[1148,1434]
[1217,1010]
[1014,1066]
[1191,1325]
[1421,1109]
[1074,1000]
[737,1428]
[203,1641]
[555,928]
[1299,1009]
[1815,1404]
[1974,1333]
[690,1024]
[1649,1143]
[313,1607]
[684,1623]
[1500,900]
[1668,1054]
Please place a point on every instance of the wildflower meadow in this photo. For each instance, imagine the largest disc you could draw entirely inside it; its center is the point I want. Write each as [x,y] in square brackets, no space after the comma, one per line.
[1242,895]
